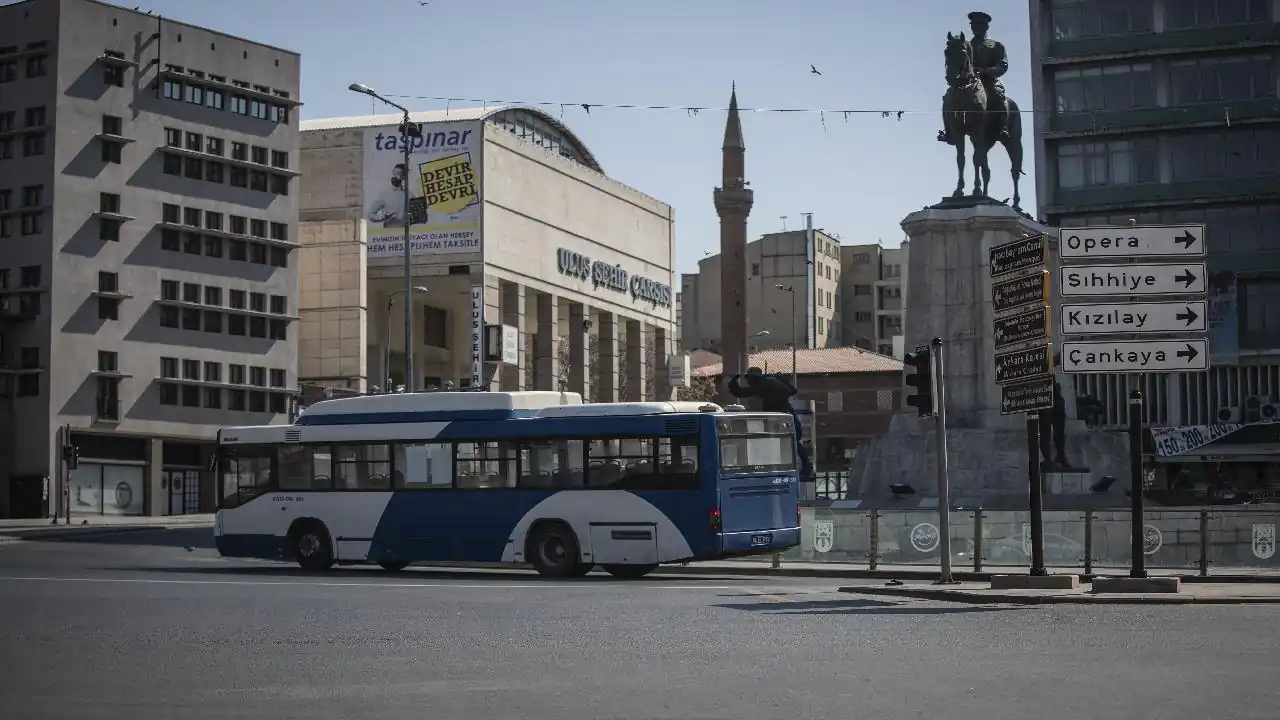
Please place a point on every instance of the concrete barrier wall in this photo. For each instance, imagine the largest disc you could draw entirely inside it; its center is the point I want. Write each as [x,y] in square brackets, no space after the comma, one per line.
[1184,538]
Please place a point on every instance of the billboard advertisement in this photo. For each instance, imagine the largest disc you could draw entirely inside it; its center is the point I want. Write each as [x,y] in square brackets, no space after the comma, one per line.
[443,175]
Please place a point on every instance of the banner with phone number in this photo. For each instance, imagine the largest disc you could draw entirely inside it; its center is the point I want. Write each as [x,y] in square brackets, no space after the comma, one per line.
[1178,440]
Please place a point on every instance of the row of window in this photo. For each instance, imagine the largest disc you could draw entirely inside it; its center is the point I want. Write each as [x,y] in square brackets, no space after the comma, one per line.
[172,368]
[31,220]
[1078,19]
[214,321]
[1132,86]
[216,172]
[618,463]
[218,247]
[212,295]
[29,276]
[210,145]
[193,217]
[27,223]
[34,66]
[210,92]
[1241,152]
[234,399]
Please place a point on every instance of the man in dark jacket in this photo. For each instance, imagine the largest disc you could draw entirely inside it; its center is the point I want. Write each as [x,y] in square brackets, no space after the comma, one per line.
[775,393]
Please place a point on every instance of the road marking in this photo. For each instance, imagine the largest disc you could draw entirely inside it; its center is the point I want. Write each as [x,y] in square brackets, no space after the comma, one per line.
[475,586]
[774,597]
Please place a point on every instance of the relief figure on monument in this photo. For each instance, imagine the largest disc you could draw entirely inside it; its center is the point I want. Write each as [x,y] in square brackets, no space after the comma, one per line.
[976,107]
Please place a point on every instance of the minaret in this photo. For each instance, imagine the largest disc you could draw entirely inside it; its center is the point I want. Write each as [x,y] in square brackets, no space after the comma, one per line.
[733,204]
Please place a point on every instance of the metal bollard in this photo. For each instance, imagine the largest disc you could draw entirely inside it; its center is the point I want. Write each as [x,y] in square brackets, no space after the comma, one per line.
[777,561]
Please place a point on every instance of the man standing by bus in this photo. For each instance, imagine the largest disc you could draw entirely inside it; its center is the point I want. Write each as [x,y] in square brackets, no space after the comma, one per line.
[775,393]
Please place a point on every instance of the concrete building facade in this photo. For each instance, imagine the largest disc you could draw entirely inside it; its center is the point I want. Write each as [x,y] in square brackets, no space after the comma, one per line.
[1163,112]
[785,292]
[871,295]
[522,247]
[148,218]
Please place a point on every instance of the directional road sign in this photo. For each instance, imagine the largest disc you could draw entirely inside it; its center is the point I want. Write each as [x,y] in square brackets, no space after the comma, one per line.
[1019,292]
[1024,397]
[1133,318]
[1135,356]
[1145,279]
[1167,241]
[1018,365]
[1021,254]
[1023,327]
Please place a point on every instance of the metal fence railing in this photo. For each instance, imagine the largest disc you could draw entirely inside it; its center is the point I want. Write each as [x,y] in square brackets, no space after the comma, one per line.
[1193,540]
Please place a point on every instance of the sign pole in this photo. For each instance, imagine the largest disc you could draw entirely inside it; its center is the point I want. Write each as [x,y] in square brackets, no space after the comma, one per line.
[1037,496]
[944,481]
[1137,567]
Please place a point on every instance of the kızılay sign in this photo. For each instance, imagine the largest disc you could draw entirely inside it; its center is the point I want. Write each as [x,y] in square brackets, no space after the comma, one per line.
[613,277]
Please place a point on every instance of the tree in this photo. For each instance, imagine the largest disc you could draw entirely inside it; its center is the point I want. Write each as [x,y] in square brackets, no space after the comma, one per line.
[702,388]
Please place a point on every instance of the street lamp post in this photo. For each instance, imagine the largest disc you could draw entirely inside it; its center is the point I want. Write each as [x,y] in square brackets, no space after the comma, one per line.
[407,130]
[794,339]
[386,340]
[746,357]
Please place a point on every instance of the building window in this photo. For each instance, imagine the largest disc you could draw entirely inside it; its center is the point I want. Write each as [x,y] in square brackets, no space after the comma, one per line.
[34,117]
[1189,14]
[195,94]
[168,394]
[169,368]
[239,104]
[280,159]
[33,144]
[1119,162]
[1221,79]
[111,153]
[113,75]
[194,168]
[213,398]
[172,164]
[169,290]
[172,137]
[1078,19]
[214,172]
[279,184]
[170,213]
[172,90]
[1260,313]
[258,155]
[32,223]
[214,98]
[32,196]
[435,327]
[1241,152]
[108,203]
[195,142]
[1113,88]
[108,308]
[108,362]
[258,109]
[37,66]
[258,181]
[214,146]
[239,177]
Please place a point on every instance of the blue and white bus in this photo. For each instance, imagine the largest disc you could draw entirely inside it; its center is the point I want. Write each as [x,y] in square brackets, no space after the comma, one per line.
[512,477]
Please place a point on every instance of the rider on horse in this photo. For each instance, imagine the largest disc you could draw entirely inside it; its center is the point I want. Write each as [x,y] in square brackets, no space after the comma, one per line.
[990,62]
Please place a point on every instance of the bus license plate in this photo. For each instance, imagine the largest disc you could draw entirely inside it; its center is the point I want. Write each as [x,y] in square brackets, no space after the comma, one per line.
[764,539]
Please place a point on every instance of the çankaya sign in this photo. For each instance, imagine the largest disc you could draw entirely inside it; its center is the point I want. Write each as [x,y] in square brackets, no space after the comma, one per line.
[613,277]
[1121,356]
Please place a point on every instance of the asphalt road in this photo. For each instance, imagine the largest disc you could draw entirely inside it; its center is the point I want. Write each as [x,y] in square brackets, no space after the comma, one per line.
[136,626]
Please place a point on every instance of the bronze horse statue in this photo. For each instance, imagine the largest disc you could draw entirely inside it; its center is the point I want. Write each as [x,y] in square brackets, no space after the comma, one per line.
[965,114]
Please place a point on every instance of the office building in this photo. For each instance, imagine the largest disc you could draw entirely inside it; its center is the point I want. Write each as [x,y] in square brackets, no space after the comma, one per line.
[147,286]
[517,231]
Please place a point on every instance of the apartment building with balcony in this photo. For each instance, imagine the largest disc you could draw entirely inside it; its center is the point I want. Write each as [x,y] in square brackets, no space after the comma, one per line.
[148,218]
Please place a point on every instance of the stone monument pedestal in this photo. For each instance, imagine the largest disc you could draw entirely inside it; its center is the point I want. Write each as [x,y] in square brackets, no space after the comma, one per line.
[948,295]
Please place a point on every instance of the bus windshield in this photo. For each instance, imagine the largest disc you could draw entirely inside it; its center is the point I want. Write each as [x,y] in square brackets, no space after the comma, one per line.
[756,444]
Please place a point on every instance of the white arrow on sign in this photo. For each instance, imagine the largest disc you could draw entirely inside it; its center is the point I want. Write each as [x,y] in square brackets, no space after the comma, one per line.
[1126,356]
[1180,241]
[1146,279]
[1136,318]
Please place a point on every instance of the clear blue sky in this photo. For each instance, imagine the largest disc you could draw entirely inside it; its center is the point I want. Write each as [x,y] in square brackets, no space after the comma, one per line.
[859,176]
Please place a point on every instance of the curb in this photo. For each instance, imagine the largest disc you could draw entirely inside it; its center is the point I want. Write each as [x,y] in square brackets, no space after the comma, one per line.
[964,576]
[51,532]
[973,598]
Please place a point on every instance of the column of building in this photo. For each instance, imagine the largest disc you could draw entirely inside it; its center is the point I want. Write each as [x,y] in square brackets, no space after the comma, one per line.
[636,370]
[607,357]
[515,377]
[544,343]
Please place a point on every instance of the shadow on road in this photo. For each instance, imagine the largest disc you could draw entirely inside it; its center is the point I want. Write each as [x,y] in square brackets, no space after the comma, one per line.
[857,607]
[157,537]
[371,573]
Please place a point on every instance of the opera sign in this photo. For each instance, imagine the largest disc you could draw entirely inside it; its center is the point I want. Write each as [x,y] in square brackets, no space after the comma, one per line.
[613,277]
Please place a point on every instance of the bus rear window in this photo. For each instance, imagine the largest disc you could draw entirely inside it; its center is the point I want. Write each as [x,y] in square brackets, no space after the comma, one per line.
[756,445]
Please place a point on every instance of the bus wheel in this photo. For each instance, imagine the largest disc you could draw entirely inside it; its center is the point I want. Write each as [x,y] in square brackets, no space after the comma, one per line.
[393,565]
[629,572]
[311,547]
[553,551]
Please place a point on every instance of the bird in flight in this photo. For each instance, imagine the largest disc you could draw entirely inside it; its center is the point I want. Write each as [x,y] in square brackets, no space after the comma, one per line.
[814,70]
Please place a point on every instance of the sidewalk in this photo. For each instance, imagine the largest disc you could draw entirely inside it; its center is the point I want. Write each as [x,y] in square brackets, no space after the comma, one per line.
[29,529]
[982,594]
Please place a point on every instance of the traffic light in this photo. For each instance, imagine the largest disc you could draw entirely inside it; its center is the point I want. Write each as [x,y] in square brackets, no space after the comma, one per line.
[919,370]
[72,455]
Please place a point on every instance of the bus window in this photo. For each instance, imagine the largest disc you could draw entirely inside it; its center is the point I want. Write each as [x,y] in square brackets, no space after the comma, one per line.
[757,445]
[483,465]
[424,466]
[246,474]
[551,464]
[304,467]
[362,467]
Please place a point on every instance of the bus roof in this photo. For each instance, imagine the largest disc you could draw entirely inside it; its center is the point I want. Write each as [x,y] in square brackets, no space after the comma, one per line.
[434,407]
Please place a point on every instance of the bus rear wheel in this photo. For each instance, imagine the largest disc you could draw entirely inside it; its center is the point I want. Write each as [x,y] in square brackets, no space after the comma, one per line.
[311,547]
[553,551]
[629,572]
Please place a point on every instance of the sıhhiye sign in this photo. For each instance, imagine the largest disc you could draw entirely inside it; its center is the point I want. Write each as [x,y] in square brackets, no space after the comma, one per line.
[444,189]
[602,275]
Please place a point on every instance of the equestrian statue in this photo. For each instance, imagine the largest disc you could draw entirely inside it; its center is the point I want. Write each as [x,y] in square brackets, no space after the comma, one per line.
[976,106]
